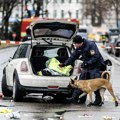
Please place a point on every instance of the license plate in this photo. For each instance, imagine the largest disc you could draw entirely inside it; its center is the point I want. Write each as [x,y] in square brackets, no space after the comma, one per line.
[53,87]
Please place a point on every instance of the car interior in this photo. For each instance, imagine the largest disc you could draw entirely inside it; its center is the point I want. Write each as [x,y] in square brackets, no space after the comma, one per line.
[39,58]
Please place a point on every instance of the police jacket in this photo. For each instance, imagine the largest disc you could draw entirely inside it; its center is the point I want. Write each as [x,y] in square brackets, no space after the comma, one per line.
[89,53]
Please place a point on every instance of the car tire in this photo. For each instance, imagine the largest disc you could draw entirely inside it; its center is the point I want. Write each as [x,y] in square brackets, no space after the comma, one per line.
[17,94]
[60,97]
[6,92]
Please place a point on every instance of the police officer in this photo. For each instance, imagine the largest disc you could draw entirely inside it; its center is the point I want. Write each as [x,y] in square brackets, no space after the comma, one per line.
[104,39]
[28,34]
[92,62]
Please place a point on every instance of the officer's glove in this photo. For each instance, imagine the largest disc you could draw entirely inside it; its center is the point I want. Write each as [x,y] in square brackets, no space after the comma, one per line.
[61,65]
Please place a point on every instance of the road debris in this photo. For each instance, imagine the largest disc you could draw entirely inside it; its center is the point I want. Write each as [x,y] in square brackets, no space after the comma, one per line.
[107,117]
[5,110]
[85,115]
[13,115]
[8,113]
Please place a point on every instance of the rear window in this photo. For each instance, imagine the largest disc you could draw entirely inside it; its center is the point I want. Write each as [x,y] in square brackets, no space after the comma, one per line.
[54,29]
[58,32]
[82,30]
[114,31]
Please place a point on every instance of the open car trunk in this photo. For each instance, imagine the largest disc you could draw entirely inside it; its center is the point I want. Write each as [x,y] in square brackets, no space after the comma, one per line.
[41,54]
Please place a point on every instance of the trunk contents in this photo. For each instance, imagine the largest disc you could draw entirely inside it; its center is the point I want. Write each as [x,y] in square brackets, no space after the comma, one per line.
[43,65]
[53,68]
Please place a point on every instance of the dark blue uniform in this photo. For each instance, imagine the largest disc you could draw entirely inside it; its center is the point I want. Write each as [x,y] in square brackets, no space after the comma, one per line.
[89,54]
[92,62]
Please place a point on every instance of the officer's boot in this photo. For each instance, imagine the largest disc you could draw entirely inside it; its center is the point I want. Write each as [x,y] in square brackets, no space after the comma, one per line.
[75,96]
[98,99]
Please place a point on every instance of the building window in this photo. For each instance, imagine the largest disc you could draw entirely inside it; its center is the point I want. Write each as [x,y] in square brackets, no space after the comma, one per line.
[70,1]
[54,13]
[54,1]
[17,15]
[62,13]
[77,13]
[69,13]
[77,1]
[62,1]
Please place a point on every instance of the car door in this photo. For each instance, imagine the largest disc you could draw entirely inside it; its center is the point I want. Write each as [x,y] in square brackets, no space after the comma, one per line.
[13,64]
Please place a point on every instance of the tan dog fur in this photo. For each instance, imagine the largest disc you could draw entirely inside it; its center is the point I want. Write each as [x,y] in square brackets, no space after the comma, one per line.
[91,85]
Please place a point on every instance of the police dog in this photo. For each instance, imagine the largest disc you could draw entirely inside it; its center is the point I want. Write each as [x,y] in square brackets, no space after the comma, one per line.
[91,85]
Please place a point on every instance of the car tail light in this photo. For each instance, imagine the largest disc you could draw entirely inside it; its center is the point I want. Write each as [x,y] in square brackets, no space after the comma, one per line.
[24,67]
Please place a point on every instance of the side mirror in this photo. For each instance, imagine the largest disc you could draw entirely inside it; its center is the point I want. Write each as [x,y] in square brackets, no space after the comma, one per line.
[108,62]
[10,59]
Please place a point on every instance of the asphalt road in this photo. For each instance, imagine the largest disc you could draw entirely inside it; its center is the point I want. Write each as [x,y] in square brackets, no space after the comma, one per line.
[34,108]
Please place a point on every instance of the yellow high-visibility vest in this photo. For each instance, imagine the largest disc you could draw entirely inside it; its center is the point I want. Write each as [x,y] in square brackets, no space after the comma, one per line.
[53,64]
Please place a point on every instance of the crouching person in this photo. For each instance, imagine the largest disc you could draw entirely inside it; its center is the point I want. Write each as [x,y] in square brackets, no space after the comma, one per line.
[92,62]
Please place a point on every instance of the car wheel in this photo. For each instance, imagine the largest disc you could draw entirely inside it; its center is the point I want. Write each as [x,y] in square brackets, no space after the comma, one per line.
[60,97]
[17,94]
[6,92]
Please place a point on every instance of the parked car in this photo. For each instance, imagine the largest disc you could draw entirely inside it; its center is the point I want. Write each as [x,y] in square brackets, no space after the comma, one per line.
[50,39]
[114,32]
[116,47]
[83,32]
[110,45]
[113,35]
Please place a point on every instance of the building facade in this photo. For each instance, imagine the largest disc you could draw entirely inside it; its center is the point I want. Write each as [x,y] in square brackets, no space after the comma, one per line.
[74,9]
[62,9]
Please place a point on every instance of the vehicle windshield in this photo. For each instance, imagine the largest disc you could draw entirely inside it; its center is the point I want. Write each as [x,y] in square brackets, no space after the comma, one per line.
[82,30]
[49,32]
[114,31]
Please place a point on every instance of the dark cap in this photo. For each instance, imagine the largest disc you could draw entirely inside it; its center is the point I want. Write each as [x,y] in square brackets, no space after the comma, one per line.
[78,39]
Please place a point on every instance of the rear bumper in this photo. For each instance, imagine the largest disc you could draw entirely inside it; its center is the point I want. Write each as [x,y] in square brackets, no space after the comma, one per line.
[43,81]
[38,84]
[43,90]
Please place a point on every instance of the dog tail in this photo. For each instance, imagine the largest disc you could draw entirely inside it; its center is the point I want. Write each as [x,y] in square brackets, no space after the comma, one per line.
[106,75]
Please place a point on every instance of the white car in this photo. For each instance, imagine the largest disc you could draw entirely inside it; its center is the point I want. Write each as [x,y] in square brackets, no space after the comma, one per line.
[50,39]
[83,32]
